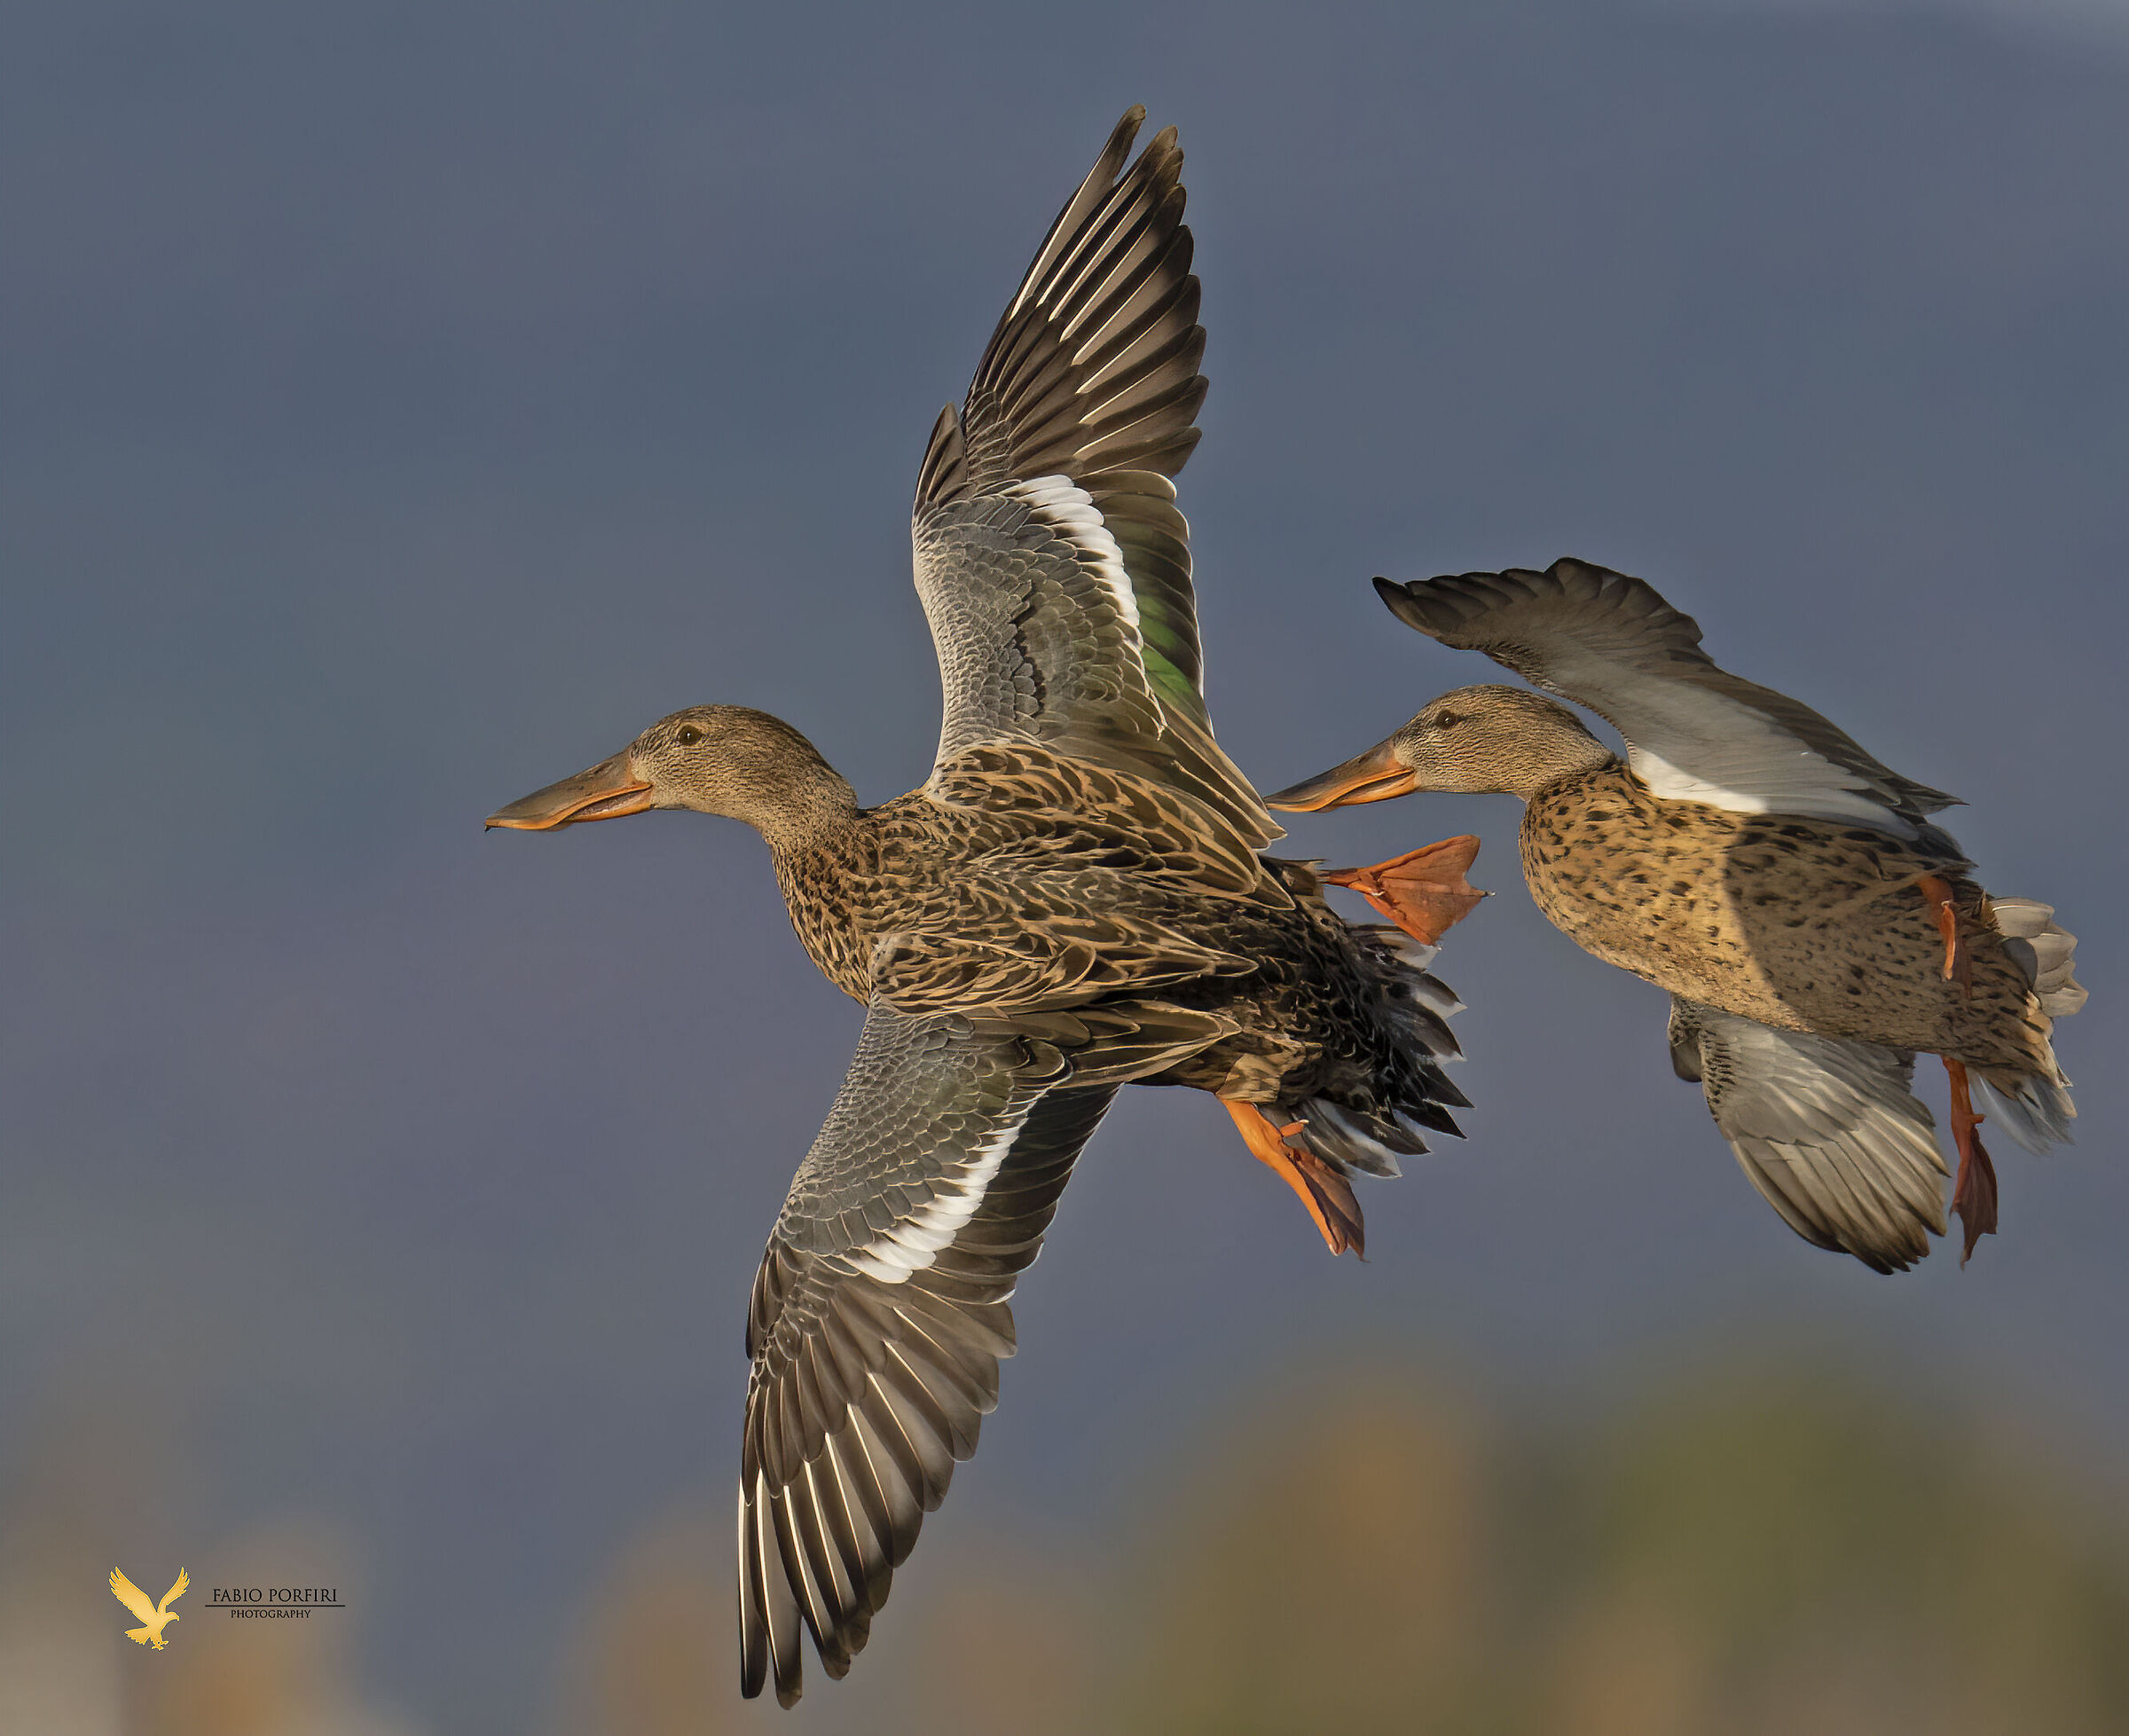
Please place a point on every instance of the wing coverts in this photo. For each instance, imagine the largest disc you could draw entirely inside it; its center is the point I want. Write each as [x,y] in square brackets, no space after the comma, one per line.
[1694,732]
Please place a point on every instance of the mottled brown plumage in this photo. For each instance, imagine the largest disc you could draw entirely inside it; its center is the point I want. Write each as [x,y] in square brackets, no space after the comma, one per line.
[1021,881]
[1790,892]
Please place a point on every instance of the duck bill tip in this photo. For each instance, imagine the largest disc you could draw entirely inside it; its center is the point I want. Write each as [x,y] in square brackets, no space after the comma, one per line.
[606,791]
[1373,776]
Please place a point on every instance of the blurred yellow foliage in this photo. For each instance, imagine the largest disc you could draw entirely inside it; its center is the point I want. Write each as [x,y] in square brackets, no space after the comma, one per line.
[1780,1555]
[1771,1552]
[1305,1558]
[1775,1553]
[654,1651]
[232,1677]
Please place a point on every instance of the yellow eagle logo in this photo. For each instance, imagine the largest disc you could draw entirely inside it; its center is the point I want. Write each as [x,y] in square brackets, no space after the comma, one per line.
[154,1617]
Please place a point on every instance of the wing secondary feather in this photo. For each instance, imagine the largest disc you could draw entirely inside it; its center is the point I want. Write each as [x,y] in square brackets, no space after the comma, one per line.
[1828,1131]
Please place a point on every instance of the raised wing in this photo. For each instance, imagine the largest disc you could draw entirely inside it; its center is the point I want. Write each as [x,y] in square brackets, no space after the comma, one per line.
[132,1596]
[1053,566]
[1828,1131]
[177,1590]
[1694,732]
[880,1316]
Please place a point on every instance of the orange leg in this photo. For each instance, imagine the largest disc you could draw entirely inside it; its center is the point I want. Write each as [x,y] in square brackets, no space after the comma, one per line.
[1327,1194]
[1423,892]
[1974,1194]
[1957,966]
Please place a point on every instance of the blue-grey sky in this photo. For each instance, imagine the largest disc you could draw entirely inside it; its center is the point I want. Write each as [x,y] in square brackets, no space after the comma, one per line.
[407,404]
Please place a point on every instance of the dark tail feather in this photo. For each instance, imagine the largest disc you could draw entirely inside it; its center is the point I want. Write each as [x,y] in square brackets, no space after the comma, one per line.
[1351,1138]
[1409,1093]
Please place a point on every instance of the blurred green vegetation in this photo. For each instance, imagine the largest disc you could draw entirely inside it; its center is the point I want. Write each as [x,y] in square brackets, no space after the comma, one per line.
[1775,1550]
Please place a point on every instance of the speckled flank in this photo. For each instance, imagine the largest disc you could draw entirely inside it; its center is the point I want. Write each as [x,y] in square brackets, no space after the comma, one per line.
[1805,924]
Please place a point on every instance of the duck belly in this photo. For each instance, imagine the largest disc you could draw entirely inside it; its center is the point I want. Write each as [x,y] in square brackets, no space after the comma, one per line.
[1805,924]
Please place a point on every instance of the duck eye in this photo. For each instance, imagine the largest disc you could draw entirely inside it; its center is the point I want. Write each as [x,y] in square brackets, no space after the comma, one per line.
[1447,719]
[688,736]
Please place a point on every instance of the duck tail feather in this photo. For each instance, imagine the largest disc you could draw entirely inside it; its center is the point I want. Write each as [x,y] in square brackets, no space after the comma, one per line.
[1349,1138]
[1403,961]
[1408,949]
[2035,1110]
[2045,952]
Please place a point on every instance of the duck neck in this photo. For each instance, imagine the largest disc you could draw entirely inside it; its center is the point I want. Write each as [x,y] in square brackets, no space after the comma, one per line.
[812,807]
[766,774]
[825,854]
[1567,759]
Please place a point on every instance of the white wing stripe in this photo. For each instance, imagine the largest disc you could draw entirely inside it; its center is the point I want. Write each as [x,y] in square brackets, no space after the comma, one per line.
[1070,511]
[910,1245]
[1815,788]
[1740,759]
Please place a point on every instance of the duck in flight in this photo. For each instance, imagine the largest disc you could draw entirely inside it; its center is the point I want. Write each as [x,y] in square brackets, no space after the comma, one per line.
[1075,900]
[1814,927]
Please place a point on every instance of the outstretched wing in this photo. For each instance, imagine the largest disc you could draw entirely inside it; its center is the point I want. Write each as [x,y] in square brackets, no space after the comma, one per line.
[880,1316]
[1053,566]
[132,1596]
[1828,1131]
[176,1591]
[1694,732]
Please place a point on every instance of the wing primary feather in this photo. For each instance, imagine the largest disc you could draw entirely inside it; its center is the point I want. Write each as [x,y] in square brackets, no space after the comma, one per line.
[900,1483]
[1090,193]
[778,1600]
[797,1575]
[922,1420]
[1765,1171]
[826,1573]
[753,1619]
[864,1515]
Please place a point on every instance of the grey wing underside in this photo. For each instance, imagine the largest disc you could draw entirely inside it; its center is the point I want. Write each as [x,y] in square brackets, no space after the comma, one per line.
[1828,1131]
[1052,563]
[1694,732]
[879,1317]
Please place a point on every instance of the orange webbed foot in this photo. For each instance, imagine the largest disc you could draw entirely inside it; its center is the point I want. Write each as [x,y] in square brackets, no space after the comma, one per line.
[1327,1195]
[1423,892]
[1974,1194]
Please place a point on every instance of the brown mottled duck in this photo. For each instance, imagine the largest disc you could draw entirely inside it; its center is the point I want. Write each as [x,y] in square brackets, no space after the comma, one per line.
[1075,900]
[1814,927]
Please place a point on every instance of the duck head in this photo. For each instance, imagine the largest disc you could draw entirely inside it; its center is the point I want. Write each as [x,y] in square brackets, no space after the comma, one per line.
[722,760]
[1475,741]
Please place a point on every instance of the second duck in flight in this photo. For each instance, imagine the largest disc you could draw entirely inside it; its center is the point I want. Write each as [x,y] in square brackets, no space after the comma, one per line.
[1813,926]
